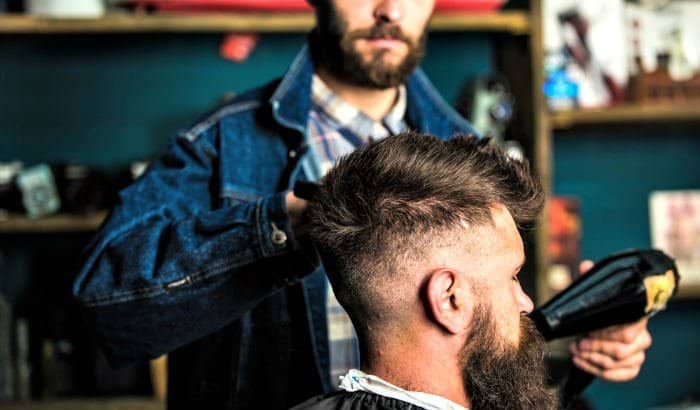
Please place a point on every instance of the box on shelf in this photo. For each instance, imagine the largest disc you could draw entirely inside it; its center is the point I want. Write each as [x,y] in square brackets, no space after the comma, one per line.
[564,246]
[659,86]
[675,229]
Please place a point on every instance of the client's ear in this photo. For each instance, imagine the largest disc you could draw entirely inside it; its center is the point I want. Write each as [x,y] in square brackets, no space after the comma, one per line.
[450,300]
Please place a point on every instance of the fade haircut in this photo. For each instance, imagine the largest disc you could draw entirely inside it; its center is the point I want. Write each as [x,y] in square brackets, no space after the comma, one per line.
[391,201]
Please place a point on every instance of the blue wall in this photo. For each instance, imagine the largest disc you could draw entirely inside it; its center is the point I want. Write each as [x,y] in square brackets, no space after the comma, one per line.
[612,172]
[108,99]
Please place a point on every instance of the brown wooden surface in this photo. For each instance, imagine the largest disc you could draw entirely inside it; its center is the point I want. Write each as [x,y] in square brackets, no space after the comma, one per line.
[54,223]
[122,403]
[159,377]
[689,111]
[543,146]
[514,22]
[509,21]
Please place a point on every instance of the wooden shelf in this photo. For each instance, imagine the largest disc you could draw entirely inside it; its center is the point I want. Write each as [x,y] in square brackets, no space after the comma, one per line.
[516,22]
[52,224]
[635,113]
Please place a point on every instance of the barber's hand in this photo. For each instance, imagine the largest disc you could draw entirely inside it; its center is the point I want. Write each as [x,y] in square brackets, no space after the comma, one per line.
[295,209]
[615,353]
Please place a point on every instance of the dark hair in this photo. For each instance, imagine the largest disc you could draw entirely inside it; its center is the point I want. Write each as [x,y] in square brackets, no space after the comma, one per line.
[382,205]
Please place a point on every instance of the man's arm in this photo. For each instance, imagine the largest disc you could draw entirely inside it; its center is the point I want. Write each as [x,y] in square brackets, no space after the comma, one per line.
[170,266]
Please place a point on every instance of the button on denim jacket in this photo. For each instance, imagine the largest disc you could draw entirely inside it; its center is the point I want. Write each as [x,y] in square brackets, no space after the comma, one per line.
[192,261]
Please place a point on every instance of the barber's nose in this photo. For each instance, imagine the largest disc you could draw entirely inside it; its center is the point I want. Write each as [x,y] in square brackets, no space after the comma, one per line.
[388,11]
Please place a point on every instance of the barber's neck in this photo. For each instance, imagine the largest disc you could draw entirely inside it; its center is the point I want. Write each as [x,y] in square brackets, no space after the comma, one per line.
[417,363]
[375,103]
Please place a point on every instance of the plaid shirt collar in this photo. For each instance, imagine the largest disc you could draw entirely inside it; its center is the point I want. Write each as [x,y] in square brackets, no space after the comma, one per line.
[347,116]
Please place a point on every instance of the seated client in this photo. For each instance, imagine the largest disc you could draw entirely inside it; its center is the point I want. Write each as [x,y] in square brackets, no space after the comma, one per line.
[421,241]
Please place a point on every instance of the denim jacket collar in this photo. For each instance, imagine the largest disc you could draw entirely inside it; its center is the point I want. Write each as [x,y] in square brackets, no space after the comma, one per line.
[291,101]
[426,110]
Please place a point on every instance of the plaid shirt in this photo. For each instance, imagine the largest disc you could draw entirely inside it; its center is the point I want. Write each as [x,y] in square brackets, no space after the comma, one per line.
[336,128]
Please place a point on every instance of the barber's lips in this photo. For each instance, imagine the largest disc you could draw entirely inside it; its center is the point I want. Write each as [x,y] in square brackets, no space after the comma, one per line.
[385,42]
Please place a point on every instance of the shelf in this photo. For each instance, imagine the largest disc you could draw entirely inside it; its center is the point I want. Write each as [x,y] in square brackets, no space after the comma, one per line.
[86,403]
[516,22]
[52,224]
[635,113]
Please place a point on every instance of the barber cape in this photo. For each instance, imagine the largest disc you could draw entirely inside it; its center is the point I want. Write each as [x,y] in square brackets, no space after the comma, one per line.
[359,390]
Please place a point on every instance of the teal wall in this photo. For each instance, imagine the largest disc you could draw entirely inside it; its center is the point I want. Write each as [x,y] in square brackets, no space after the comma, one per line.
[108,99]
[612,172]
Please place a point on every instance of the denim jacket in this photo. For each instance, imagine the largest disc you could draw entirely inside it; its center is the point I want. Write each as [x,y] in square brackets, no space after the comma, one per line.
[198,258]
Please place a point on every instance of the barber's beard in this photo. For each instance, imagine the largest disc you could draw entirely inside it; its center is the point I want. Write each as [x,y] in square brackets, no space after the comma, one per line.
[333,47]
[501,376]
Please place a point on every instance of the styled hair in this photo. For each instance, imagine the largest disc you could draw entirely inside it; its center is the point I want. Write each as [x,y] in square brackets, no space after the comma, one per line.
[387,203]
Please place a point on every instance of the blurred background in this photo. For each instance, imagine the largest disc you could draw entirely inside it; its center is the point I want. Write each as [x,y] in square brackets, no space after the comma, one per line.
[603,96]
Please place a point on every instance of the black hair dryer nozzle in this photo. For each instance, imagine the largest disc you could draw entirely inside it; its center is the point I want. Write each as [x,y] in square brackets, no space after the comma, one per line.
[621,288]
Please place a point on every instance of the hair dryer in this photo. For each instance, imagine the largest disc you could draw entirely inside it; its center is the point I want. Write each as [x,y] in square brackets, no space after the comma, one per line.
[621,288]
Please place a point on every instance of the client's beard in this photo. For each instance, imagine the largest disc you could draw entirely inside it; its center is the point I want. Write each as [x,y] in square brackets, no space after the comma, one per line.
[500,376]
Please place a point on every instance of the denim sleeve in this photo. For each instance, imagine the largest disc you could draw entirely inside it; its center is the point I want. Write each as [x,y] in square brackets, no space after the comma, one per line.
[168,267]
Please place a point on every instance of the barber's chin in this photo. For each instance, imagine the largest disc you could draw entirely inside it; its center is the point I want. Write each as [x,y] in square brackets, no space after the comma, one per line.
[389,57]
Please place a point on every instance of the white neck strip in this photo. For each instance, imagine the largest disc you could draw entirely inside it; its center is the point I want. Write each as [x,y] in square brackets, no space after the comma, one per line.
[356,380]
